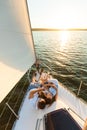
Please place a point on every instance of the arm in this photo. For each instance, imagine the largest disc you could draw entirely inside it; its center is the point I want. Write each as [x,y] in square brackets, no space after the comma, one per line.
[56,96]
[32,92]
[50,84]
[46,86]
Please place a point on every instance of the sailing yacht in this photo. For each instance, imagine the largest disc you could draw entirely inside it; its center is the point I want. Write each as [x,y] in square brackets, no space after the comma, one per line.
[17,55]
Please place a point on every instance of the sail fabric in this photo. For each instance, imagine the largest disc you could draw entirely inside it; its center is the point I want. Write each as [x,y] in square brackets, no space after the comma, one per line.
[16,44]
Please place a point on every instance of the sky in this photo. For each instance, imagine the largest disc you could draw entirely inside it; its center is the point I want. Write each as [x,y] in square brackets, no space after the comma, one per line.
[58,13]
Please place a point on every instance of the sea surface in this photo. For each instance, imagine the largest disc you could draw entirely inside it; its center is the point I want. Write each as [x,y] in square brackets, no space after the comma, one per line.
[65,52]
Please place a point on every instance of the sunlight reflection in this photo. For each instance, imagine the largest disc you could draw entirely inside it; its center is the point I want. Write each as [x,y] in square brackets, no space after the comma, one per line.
[64,36]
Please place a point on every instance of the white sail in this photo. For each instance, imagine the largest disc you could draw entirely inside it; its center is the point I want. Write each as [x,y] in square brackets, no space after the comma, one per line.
[16,44]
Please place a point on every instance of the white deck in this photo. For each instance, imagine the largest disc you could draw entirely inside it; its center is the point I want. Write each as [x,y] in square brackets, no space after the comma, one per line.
[28,115]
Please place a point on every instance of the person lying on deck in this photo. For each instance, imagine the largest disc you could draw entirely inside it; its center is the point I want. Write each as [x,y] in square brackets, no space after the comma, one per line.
[47,91]
[39,98]
[50,85]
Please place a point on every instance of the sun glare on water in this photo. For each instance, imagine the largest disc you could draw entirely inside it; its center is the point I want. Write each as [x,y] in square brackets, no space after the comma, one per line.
[64,36]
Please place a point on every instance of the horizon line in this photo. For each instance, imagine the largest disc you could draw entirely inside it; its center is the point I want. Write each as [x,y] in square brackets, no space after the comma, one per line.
[59,29]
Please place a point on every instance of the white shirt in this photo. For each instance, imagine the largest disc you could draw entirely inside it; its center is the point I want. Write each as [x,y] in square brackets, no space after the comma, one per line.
[33,101]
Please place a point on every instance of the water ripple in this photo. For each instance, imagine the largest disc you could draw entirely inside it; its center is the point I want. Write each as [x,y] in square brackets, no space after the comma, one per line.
[67,59]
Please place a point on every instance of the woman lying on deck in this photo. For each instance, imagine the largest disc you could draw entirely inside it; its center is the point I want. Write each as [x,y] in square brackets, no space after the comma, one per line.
[46,93]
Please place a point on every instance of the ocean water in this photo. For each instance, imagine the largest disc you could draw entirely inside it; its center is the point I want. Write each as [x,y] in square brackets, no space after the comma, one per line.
[65,52]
